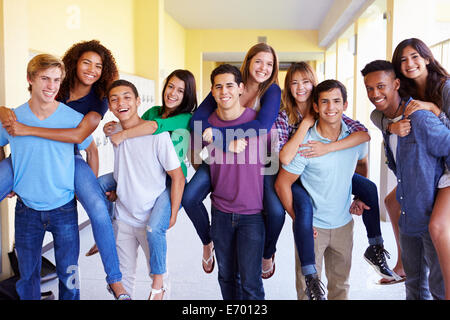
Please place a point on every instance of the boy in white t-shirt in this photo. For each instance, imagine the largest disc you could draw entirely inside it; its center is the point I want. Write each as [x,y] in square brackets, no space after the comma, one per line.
[145,208]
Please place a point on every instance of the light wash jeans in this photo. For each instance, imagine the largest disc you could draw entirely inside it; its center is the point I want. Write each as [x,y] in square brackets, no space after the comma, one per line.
[423,273]
[93,201]
[30,227]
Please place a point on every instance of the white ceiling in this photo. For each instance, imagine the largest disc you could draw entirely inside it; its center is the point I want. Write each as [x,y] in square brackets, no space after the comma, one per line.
[249,14]
[329,17]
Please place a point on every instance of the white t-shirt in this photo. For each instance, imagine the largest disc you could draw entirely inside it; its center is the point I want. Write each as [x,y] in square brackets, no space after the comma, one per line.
[140,166]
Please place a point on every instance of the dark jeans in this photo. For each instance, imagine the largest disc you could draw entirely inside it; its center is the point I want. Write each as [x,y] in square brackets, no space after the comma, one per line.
[30,227]
[238,242]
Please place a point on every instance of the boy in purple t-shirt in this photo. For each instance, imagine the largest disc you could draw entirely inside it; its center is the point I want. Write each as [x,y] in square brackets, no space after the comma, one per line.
[237,226]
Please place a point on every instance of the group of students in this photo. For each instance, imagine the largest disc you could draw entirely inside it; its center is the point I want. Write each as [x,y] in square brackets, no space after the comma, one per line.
[236,140]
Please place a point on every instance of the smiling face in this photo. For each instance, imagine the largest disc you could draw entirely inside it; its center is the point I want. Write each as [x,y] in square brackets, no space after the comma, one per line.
[382,90]
[174,93]
[413,66]
[45,85]
[300,87]
[123,102]
[261,66]
[226,91]
[89,68]
[330,106]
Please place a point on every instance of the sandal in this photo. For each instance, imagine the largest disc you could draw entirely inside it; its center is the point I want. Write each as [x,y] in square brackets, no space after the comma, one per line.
[92,251]
[266,274]
[123,296]
[207,261]
[154,292]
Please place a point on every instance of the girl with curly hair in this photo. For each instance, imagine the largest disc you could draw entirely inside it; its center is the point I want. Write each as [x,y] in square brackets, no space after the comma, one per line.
[90,69]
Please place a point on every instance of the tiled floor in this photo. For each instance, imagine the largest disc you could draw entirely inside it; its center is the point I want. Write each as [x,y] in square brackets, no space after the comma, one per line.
[187,281]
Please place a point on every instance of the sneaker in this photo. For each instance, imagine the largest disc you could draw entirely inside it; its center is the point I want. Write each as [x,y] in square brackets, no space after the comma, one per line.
[314,287]
[375,256]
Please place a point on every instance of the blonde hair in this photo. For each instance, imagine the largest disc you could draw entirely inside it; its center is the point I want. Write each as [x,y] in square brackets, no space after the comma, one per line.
[288,101]
[43,62]
[245,68]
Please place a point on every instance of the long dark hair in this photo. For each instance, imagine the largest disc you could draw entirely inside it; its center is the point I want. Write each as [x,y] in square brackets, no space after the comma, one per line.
[189,102]
[70,59]
[436,78]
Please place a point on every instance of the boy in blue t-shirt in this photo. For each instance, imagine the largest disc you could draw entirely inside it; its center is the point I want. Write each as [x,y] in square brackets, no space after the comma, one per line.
[44,183]
[328,180]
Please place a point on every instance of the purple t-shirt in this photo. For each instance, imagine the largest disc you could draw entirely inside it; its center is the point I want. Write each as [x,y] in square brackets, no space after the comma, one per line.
[237,179]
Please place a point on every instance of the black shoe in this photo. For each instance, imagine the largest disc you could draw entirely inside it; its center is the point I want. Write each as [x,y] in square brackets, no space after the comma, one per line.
[375,256]
[314,287]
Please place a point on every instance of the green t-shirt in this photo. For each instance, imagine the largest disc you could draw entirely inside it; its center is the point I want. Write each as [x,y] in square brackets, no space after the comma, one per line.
[177,126]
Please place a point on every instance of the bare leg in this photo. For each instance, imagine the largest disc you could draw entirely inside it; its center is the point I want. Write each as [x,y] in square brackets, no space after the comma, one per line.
[393,209]
[440,234]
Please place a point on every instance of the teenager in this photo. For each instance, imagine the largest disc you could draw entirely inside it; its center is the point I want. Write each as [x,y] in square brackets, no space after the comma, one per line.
[417,160]
[262,94]
[179,101]
[428,83]
[328,180]
[237,227]
[44,183]
[90,69]
[140,168]
[293,122]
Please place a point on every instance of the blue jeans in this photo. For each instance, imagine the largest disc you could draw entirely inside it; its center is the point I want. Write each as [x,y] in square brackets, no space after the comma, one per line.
[366,191]
[6,177]
[302,225]
[30,227]
[93,201]
[157,226]
[423,272]
[194,193]
[107,183]
[239,243]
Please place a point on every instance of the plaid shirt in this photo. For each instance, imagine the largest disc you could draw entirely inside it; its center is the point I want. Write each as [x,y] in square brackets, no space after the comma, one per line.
[286,130]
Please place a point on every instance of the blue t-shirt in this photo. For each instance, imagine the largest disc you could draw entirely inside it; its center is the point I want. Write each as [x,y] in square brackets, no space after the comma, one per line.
[328,179]
[89,102]
[44,169]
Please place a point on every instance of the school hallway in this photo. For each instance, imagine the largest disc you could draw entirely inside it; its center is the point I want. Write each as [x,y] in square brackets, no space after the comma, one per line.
[188,281]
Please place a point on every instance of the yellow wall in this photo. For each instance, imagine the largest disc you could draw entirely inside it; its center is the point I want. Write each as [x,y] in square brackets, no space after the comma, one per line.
[174,44]
[53,26]
[200,41]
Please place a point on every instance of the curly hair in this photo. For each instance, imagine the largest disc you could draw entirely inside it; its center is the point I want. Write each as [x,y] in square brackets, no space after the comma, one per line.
[70,59]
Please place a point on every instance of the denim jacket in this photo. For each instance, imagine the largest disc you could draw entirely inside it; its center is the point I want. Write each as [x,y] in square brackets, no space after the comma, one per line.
[419,166]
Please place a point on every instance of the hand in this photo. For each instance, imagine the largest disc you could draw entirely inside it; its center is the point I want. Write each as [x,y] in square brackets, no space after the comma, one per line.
[118,138]
[401,128]
[7,116]
[110,128]
[315,233]
[237,146]
[415,105]
[111,195]
[16,128]
[315,149]
[207,135]
[357,207]
[310,119]
[173,220]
